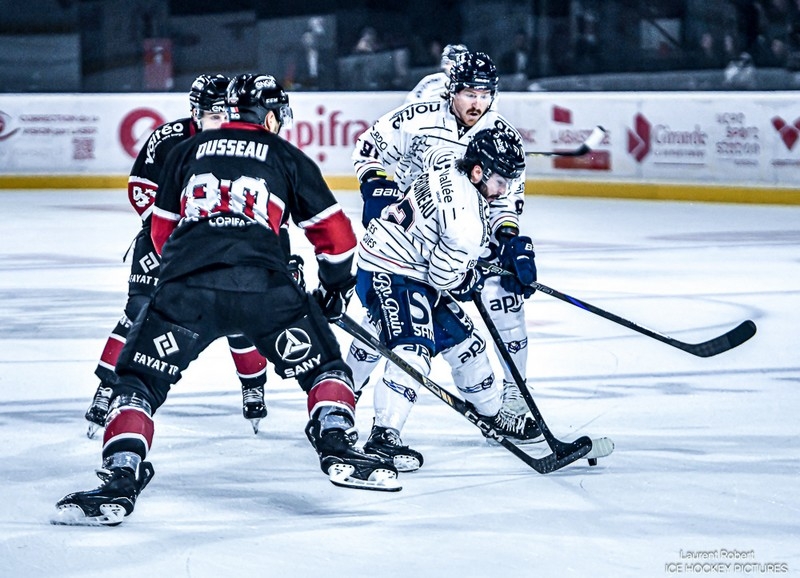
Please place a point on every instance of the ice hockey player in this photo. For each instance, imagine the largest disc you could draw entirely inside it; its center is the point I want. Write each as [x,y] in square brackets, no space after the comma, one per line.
[408,260]
[434,86]
[225,195]
[418,136]
[206,99]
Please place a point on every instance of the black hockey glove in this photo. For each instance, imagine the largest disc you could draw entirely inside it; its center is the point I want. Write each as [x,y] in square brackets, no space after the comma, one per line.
[377,193]
[295,265]
[472,283]
[516,255]
[333,302]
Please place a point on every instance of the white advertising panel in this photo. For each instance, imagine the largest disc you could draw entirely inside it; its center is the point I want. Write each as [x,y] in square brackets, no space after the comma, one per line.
[736,139]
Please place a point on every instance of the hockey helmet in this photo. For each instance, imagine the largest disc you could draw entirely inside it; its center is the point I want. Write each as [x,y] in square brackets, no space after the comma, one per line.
[208,93]
[473,70]
[450,52]
[497,152]
[251,96]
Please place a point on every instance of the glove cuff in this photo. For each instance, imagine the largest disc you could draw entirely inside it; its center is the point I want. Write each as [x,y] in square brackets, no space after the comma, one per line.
[373,174]
[505,232]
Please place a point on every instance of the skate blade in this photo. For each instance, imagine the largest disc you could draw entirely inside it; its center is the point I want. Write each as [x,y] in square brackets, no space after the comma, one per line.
[73,515]
[92,430]
[406,463]
[380,480]
[254,422]
[601,447]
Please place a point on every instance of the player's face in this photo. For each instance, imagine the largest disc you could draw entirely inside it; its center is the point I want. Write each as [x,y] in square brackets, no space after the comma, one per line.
[470,104]
[494,187]
[211,120]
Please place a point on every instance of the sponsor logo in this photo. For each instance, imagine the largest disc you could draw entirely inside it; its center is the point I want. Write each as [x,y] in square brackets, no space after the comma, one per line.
[390,308]
[228,221]
[476,347]
[412,110]
[566,137]
[166,344]
[149,262]
[506,304]
[4,132]
[136,127]
[516,346]
[406,392]
[487,383]
[154,363]
[328,130]
[670,146]
[789,133]
[293,345]
[303,367]
[639,138]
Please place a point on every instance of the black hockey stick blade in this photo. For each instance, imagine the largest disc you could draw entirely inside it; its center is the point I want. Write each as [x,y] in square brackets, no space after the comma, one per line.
[733,338]
[592,142]
[564,455]
[715,346]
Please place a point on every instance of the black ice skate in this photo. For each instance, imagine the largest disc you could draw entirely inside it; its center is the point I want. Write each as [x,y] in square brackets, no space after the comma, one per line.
[253,407]
[349,467]
[519,428]
[386,442]
[97,412]
[108,504]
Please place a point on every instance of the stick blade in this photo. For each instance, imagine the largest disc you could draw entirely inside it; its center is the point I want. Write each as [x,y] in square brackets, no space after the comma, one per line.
[596,138]
[733,338]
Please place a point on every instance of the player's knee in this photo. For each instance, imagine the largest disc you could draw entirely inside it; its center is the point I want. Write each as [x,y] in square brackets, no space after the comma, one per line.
[129,425]
[331,388]
[467,353]
[135,305]
[416,355]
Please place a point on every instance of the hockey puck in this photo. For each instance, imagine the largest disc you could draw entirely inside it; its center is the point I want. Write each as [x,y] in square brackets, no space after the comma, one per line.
[592,461]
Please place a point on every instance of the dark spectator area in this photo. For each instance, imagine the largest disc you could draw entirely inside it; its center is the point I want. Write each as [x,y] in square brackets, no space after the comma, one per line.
[577,45]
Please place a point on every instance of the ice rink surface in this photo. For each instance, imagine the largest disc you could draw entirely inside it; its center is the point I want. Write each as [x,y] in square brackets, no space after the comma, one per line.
[704,479]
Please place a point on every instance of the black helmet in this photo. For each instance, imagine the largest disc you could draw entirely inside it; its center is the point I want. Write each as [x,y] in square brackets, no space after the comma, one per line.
[250,97]
[450,52]
[208,93]
[473,70]
[497,152]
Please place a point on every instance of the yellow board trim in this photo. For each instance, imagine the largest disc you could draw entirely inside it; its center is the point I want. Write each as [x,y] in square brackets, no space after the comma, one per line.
[612,190]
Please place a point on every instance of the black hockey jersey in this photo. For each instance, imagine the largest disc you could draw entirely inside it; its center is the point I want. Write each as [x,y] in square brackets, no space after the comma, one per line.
[146,171]
[226,193]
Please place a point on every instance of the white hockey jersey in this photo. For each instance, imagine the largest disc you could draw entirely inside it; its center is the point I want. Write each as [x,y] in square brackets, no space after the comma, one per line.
[431,87]
[415,137]
[434,234]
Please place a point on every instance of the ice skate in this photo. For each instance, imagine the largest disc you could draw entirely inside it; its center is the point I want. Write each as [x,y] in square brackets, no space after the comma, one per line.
[349,467]
[108,504]
[519,428]
[253,407]
[96,414]
[386,442]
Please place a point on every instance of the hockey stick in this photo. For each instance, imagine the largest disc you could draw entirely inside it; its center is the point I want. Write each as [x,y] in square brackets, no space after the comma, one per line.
[591,143]
[558,447]
[549,463]
[715,346]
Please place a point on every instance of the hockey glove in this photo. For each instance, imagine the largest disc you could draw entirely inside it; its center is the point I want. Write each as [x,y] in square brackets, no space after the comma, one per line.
[516,255]
[295,265]
[333,301]
[377,193]
[472,283]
